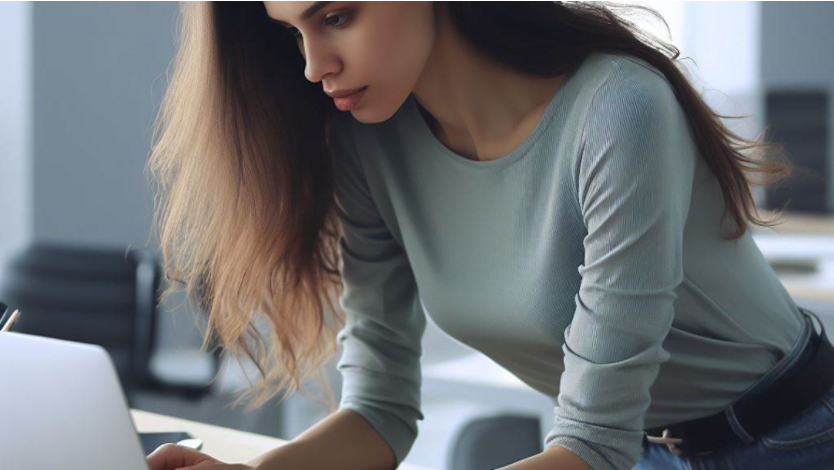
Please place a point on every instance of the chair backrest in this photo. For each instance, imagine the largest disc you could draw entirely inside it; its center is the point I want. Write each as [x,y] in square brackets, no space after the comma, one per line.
[488,442]
[92,295]
[799,119]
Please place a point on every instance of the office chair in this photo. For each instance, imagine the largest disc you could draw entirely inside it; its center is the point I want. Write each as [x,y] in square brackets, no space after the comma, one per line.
[799,119]
[489,442]
[100,296]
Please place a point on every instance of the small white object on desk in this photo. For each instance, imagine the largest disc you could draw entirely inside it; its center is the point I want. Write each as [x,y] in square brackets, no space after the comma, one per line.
[8,325]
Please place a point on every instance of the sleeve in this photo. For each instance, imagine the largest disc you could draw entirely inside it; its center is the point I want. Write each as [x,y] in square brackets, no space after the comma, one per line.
[635,177]
[381,339]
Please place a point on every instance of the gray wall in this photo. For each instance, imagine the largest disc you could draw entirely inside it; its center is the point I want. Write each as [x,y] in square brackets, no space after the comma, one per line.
[99,74]
[798,51]
[721,49]
[15,120]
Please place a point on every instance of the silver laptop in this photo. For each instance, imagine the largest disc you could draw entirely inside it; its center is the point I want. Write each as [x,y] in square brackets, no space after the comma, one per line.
[62,407]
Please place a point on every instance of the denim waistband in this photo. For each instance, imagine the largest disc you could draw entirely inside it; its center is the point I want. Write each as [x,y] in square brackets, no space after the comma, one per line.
[789,360]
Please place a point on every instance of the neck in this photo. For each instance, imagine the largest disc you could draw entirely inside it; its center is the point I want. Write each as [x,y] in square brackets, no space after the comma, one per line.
[474,105]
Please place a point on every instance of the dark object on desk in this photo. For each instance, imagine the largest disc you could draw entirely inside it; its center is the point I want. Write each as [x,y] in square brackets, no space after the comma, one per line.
[488,442]
[5,314]
[798,118]
[100,296]
[152,440]
[799,267]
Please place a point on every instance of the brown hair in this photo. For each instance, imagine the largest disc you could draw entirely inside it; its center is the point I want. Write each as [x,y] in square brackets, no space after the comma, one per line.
[244,172]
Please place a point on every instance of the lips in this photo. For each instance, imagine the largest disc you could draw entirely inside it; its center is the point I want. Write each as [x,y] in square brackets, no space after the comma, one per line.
[349,102]
[342,93]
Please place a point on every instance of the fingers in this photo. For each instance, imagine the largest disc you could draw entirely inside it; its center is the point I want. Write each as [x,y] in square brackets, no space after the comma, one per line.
[172,456]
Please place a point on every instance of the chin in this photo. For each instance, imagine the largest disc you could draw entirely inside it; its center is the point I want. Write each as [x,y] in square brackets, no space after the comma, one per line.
[373,115]
[368,116]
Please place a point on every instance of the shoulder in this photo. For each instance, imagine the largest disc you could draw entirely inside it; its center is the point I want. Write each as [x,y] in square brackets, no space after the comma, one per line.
[635,124]
[632,92]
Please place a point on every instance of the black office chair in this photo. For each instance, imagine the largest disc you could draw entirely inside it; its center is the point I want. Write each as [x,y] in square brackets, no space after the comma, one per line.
[100,296]
[799,119]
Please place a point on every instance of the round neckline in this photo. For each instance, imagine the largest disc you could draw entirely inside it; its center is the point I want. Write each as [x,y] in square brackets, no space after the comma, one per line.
[425,132]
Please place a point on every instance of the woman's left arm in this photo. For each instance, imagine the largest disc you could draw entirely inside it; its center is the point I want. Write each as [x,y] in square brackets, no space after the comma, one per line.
[634,179]
[553,457]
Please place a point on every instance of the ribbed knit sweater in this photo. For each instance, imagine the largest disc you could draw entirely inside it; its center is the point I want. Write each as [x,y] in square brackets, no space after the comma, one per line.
[588,262]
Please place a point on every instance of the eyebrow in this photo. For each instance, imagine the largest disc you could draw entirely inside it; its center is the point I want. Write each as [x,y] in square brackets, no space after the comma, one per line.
[306,14]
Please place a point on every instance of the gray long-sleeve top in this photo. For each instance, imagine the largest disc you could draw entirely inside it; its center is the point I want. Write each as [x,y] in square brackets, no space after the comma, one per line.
[588,262]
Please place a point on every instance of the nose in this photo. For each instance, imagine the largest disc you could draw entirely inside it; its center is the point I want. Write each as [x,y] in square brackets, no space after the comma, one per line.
[319,60]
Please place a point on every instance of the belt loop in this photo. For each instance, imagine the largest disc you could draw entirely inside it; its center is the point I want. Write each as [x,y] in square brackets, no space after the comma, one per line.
[811,317]
[736,425]
[667,439]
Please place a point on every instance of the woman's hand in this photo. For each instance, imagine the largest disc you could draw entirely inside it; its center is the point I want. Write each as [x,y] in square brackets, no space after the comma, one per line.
[174,457]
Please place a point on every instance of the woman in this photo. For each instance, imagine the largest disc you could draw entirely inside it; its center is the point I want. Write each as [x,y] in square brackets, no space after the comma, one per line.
[542,182]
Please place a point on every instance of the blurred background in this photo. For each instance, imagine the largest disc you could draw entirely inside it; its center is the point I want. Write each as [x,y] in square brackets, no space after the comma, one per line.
[81,85]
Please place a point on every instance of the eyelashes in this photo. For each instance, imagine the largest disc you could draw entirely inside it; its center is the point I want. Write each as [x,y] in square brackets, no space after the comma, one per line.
[344,17]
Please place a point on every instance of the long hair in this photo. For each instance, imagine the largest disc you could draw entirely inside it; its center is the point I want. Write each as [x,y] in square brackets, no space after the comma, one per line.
[242,160]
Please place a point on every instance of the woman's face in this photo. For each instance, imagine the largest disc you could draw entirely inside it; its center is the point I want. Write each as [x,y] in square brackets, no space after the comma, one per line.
[350,45]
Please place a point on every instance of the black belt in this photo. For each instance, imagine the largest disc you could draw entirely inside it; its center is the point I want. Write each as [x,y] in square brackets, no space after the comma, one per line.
[802,384]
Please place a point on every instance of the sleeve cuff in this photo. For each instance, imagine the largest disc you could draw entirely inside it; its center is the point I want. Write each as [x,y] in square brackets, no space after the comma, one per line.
[583,450]
[396,433]
[600,447]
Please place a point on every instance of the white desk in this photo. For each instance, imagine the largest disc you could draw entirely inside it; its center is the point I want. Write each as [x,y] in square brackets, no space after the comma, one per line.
[801,238]
[802,249]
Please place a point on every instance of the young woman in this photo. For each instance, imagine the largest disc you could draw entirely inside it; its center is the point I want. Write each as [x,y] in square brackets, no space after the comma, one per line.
[536,176]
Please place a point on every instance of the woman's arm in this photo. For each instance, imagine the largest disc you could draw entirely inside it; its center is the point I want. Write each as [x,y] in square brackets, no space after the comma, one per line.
[346,441]
[553,457]
[343,440]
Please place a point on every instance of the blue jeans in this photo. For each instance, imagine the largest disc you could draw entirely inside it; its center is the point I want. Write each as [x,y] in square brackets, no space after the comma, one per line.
[805,441]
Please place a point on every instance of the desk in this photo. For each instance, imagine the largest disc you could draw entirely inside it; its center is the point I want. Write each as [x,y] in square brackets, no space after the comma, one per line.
[224,444]
[804,239]
[811,252]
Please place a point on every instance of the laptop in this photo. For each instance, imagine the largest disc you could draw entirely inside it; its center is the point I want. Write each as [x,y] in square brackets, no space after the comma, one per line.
[62,407]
